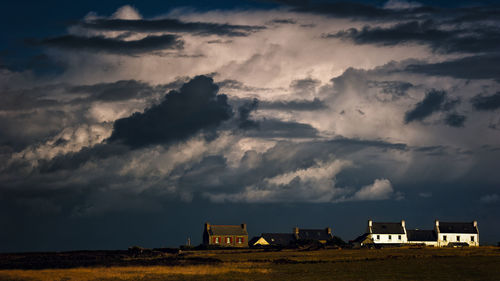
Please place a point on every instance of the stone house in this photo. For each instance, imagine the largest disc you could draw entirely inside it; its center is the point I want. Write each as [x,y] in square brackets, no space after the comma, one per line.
[225,235]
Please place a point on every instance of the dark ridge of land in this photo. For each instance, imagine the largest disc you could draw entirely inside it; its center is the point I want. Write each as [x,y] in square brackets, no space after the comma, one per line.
[74,259]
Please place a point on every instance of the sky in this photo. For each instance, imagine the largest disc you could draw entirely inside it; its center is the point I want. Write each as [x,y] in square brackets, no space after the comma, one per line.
[134,122]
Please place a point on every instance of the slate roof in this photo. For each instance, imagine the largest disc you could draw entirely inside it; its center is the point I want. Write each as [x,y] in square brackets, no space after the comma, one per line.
[314,234]
[387,228]
[421,235]
[360,238]
[227,230]
[281,239]
[457,227]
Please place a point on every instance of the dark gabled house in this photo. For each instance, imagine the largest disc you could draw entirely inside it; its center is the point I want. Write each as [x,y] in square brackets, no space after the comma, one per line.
[321,235]
[225,235]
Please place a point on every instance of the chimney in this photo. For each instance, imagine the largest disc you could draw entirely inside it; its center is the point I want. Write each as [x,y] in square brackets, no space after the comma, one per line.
[403,224]
[207,226]
[437,223]
[244,226]
[295,230]
[370,223]
[475,224]
[329,230]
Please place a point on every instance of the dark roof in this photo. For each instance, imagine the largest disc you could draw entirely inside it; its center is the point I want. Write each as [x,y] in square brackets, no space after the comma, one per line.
[421,235]
[281,239]
[227,230]
[360,238]
[314,234]
[253,240]
[457,227]
[387,228]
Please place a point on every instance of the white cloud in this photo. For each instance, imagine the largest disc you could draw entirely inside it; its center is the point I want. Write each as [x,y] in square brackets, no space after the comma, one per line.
[127,12]
[313,184]
[380,189]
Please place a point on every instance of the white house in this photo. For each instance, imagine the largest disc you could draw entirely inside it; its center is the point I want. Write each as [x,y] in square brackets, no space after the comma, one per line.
[443,234]
[457,233]
[387,232]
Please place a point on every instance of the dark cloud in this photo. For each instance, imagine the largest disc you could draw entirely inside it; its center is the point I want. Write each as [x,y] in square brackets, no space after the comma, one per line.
[19,130]
[473,40]
[481,102]
[455,120]
[484,14]
[25,99]
[305,85]
[393,89]
[294,105]
[195,107]
[431,103]
[244,113]
[112,45]
[473,67]
[218,41]
[75,160]
[284,21]
[274,128]
[171,25]
[356,10]
[435,150]
[237,85]
[121,90]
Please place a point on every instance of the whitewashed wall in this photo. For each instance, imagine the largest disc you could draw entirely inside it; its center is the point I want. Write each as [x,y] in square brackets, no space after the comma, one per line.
[452,238]
[384,238]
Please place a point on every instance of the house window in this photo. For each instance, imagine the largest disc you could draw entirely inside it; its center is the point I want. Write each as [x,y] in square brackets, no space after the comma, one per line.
[444,237]
[239,240]
[458,238]
[378,237]
[390,237]
[228,240]
[472,238]
[216,240]
[399,237]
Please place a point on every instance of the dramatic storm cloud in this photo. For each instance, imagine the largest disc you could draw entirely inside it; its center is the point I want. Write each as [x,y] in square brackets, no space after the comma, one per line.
[118,120]
[112,45]
[194,107]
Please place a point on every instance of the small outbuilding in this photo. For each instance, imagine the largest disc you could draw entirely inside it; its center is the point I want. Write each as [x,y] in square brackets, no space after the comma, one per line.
[274,239]
[422,237]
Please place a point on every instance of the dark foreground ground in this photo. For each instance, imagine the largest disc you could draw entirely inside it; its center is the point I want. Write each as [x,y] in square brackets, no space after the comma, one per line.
[481,263]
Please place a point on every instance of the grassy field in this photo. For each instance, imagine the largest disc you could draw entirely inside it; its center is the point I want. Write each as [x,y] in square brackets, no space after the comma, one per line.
[377,264]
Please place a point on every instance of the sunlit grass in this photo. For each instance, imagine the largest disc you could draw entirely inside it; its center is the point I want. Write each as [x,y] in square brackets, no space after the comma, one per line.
[127,273]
